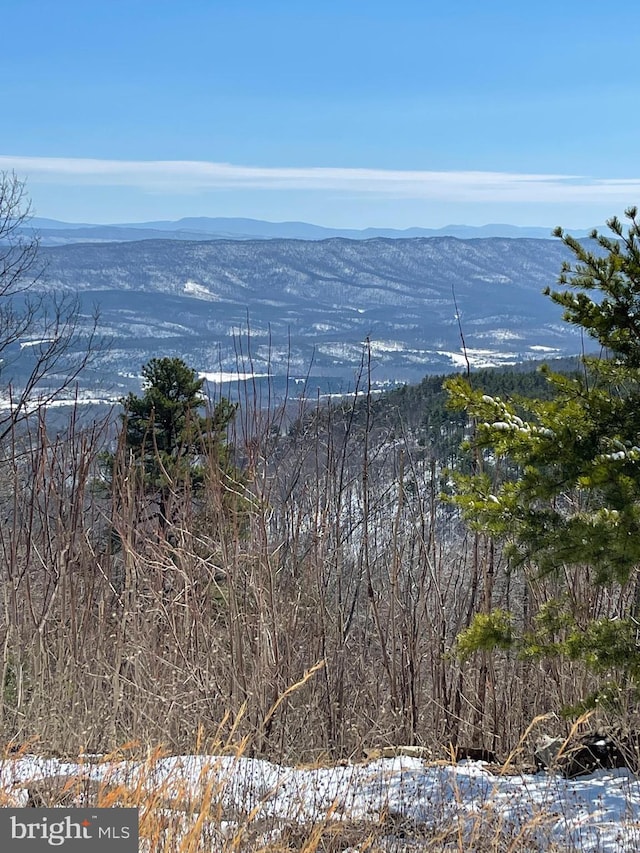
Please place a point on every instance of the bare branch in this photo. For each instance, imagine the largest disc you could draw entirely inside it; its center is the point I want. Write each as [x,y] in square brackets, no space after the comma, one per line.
[45,341]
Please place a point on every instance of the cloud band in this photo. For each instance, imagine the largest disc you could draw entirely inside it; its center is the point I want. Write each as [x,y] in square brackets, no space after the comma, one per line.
[187,176]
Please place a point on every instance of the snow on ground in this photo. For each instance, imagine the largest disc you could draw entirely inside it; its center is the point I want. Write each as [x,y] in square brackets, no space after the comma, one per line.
[192,288]
[600,812]
[221,377]
[384,346]
[83,398]
[36,343]
[479,357]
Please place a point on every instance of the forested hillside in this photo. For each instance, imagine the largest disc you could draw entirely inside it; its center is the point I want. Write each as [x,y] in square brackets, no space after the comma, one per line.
[302,308]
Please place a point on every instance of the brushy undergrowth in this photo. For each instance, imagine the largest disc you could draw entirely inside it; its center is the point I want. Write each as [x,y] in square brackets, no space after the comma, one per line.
[300,604]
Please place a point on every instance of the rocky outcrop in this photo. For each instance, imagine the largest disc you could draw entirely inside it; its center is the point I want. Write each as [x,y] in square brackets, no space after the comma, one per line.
[586,753]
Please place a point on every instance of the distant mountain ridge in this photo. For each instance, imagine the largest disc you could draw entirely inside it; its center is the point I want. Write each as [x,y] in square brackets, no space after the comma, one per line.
[54,233]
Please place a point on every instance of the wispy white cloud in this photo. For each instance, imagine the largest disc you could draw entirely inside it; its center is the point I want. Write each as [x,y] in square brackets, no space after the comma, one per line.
[185,176]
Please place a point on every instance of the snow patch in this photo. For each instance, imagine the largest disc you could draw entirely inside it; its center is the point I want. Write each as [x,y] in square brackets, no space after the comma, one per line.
[36,343]
[192,288]
[480,357]
[385,346]
[493,279]
[221,377]
[600,812]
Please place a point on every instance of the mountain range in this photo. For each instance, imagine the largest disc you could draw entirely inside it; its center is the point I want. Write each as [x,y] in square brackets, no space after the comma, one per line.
[54,233]
[301,311]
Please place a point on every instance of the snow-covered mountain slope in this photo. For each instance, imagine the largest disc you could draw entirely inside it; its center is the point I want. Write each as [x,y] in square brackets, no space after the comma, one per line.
[310,305]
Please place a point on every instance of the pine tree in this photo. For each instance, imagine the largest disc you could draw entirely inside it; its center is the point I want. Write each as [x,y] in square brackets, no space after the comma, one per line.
[569,492]
[166,432]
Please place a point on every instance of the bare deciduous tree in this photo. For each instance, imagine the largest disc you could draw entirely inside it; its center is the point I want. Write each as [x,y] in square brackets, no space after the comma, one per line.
[59,341]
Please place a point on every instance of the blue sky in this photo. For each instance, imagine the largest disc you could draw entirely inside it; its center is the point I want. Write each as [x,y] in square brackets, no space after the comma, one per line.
[348,114]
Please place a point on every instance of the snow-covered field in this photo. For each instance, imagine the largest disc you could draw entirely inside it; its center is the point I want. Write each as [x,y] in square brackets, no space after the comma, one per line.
[407,803]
